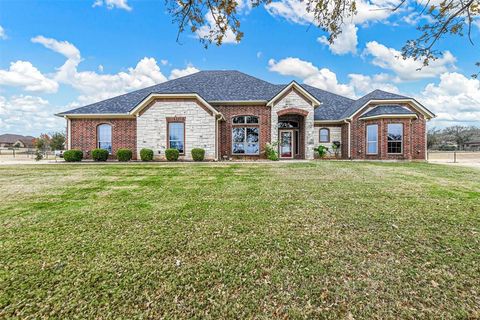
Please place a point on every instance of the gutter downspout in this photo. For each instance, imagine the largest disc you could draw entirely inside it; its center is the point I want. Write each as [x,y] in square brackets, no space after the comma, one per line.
[69,133]
[349,153]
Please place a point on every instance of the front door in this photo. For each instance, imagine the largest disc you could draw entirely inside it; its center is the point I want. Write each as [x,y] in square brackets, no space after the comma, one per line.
[286,144]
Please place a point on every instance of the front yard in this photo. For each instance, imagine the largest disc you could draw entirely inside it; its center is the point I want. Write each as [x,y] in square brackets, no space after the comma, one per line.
[308,240]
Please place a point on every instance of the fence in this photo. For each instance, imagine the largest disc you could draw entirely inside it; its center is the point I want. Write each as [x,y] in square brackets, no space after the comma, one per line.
[454,156]
[22,153]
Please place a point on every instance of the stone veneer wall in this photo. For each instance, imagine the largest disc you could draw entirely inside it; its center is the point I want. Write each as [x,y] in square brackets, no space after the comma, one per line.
[335,135]
[200,127]
[293,99]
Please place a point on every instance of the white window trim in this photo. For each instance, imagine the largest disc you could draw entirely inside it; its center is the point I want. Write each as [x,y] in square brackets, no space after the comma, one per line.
[369,141]
[241,126]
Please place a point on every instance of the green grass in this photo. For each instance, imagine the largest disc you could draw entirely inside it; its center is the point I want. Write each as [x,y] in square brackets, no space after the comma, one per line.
[309,240]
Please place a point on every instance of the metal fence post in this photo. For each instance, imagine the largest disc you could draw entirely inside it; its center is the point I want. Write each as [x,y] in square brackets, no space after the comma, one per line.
[454,156]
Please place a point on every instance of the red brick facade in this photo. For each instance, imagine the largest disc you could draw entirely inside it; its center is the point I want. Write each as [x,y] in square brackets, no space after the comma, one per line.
[84,134]
[225,128]
[124,131]
[414,140]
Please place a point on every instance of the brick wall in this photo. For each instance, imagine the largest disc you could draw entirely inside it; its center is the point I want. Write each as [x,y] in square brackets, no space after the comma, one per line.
[84,134]
[225,129]
[413,138]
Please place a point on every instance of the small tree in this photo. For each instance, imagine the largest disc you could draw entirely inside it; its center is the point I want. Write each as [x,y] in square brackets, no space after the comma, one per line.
[42,143]
[57,141]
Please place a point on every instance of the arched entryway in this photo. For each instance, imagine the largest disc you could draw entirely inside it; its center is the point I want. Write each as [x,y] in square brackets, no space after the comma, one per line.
[291,133]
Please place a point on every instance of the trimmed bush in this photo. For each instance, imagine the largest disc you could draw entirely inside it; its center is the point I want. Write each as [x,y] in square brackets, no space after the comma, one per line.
[124,155]
[99,154]
[172,154]
[198,154]
[271,151]
[146,154]
[73,155]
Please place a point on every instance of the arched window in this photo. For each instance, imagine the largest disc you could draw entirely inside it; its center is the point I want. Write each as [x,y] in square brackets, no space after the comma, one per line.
[287,124]
[324,135]
[245,135]
[104,137]
[245,119]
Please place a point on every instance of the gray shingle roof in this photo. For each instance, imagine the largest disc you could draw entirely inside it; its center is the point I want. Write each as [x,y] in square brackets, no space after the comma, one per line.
[386,109]
[232,86]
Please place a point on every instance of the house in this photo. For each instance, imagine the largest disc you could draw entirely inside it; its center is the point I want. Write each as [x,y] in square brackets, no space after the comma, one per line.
[233,115]
[16,140]
[473,145]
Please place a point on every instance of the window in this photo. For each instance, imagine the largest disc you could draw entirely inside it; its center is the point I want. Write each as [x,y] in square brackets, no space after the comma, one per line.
[287,124]
[395,138]
[245,139]
[104,137]
[324,135]
[372,139]
[245,119]
[176,136]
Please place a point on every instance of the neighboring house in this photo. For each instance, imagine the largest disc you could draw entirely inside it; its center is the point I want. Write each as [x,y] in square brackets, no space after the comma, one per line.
[472,145]
[16,140]
[233,115]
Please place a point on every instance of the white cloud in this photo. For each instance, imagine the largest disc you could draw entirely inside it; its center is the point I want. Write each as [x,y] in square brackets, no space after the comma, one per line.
[164,62]
[295,11]
[259,54]
[3,35]
[112,4]
[364,84]
[476,23]
[28,114]
[100,68]
[177,73]
[408,69]
[206,31]
[311,75]
[454,99]
[326,79]
[346,42]
[24,74]
[94,86]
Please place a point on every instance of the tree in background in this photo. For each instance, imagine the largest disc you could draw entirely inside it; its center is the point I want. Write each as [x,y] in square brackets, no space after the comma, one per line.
[460,135]
[442,18]
[433,137]
[42,143]
[454,137]
[57,141]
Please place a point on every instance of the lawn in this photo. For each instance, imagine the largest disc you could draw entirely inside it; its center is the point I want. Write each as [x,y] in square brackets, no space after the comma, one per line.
[309,240]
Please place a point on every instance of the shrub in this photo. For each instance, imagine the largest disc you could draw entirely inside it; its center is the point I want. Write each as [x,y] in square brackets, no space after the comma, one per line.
[271,151]
[124,155]
[172,154]
[198,154]
[73,155]
[99,154]
[321,151]
[146,154]
[38,155]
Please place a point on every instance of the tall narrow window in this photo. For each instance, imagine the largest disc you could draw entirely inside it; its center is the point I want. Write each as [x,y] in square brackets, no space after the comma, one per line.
[245,135]
[372,139]
[104,137]
[324,135]
[395,138]
[176,136]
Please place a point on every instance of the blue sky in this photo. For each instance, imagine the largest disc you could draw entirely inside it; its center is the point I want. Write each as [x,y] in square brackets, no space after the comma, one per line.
[55,55]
